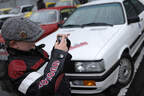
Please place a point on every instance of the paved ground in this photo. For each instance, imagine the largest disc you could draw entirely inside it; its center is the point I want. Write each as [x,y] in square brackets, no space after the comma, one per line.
[138,66]
[137,86]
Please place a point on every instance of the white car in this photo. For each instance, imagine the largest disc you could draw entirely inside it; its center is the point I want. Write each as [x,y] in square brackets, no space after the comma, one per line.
[22,10]
[105,36]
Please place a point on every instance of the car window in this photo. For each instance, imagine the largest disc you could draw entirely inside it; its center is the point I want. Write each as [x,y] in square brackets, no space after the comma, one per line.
[65,13]
[27,9]
[130,10]
[111,13]
[15,10]
[45,17]
[138,5]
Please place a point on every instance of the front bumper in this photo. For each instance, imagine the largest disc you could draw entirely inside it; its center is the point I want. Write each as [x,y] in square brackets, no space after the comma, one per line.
[103,81]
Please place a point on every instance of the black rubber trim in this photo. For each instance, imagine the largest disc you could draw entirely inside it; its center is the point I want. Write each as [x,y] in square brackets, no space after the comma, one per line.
[83,88]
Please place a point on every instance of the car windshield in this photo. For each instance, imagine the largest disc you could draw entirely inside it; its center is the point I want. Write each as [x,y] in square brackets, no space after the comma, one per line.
[64,3]
[45,16]
[97,15]
[15,10]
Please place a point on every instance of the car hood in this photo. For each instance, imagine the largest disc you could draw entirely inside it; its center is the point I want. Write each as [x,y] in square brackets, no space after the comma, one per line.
[86,43]
[49,28]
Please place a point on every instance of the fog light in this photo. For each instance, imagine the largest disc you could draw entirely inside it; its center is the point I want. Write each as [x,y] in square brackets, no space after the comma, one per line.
[78,82]
[84,82]
[89,83]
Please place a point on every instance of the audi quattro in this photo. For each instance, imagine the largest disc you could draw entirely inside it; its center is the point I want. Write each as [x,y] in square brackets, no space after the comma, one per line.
[105,36]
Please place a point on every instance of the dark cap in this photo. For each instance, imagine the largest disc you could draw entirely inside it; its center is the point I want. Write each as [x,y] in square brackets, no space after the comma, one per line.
[21,29]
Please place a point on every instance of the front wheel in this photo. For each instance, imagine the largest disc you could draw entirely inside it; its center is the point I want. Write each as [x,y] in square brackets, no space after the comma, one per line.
[126,71]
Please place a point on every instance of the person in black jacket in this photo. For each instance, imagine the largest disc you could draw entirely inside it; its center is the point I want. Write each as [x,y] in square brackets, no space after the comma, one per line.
[30,70]
[40,4]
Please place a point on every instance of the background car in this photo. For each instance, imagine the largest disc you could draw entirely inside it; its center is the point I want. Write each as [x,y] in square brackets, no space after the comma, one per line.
[106,36]
[50,18]
[18,11]
[50,4]
[4,10]
[22,10]
[57,3]
[67,3]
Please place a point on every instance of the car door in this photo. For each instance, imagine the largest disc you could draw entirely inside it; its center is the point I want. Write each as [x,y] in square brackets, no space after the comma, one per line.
[133,29]
[140,10]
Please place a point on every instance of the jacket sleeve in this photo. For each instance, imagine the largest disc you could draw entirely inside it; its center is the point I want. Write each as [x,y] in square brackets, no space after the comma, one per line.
[34,83]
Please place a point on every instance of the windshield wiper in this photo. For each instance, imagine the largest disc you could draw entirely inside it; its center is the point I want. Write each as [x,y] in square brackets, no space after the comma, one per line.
[96,24]
[71,26]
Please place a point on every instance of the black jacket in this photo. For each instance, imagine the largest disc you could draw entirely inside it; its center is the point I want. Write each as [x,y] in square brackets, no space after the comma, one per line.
[33,74]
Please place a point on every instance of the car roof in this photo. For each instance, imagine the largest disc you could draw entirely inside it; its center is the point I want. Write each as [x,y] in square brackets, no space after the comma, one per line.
[5,9]
[101,2]
[27,5]
[57,8]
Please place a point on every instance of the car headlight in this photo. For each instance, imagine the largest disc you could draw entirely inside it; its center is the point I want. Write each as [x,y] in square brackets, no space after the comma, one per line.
[90,66]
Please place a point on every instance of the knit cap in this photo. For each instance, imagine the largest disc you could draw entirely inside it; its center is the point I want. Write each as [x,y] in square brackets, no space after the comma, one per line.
[21,29]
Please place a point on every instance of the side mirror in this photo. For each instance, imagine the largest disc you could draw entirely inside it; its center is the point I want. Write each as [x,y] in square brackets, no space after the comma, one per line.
[65,18]
[133,19]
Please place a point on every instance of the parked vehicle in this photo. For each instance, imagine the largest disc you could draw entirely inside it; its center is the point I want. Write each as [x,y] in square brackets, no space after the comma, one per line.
[67,3]
[50,4]
[105,36]
[4,10]
[22,10]
[18,11]
[50,18]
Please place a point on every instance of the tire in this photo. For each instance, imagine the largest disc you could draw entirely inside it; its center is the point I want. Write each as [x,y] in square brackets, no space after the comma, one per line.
[126,70]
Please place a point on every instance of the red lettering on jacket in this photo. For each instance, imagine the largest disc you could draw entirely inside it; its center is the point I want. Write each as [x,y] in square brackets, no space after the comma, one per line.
[50,74]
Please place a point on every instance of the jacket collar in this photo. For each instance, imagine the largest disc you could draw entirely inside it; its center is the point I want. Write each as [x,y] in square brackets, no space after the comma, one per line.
[13,51]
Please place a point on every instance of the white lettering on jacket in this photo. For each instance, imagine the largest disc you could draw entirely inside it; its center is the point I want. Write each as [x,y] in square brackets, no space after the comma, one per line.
[50,75]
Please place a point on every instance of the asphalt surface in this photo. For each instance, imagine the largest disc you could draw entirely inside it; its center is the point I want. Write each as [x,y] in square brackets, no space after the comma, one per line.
[137,86]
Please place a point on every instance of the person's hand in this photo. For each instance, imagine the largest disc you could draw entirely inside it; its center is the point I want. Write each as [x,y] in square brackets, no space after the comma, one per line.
[63,44]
